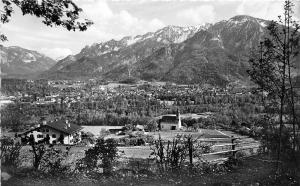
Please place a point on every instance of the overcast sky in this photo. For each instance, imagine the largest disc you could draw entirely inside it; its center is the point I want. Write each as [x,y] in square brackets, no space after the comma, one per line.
[114,19]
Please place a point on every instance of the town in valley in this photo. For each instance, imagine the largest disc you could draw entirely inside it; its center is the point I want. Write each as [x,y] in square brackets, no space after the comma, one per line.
[130,98]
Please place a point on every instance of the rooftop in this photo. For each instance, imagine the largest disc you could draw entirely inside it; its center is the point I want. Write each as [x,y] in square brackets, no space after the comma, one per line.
[63,126]
[169,118]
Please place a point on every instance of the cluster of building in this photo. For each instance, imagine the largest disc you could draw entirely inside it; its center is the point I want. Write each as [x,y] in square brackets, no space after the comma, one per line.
[67,92]
[65,132]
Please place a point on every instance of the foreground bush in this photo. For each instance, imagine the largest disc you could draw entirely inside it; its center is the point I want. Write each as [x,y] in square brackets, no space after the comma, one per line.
[10,151]
[176,153]
[53,162]
[100,158]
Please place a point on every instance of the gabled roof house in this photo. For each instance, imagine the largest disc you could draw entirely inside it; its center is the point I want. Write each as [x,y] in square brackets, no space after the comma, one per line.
[60,131]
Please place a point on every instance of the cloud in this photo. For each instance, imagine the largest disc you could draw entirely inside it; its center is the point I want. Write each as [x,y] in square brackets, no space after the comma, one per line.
[120,23]
[130,25]
[198,15]
[109,23]
[56,53]
[156,23]
[96,10]
[260,9]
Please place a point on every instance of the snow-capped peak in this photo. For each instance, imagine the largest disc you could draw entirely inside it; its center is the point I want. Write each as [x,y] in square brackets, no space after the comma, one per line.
[204,26]
[168,34]
[28,58]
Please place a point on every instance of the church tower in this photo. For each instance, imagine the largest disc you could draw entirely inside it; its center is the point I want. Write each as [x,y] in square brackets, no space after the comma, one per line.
[178,113]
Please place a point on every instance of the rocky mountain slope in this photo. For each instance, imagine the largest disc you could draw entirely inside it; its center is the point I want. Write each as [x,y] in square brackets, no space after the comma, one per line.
[213,53]
[17,62]
[219,54]
[103,59]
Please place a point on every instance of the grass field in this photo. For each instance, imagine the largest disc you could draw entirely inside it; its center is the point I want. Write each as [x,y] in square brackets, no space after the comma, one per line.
[140,152]
[201,133]
[217,137]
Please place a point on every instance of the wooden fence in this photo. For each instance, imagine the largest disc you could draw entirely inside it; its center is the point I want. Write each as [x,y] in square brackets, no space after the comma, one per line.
[237,144]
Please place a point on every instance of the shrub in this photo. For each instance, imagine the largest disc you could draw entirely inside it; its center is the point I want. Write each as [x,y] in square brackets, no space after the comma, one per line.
[232,162]
[10,151]
[170,155]
[38,152]
[52,162]
[209,168]
[100,158]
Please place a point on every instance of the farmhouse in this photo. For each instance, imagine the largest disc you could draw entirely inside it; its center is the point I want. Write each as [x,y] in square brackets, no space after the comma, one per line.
[170,122]
[60,131]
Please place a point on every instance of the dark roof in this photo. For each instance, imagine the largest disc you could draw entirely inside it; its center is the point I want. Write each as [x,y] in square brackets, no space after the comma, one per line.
[59,125]
[62,126]
[169,119]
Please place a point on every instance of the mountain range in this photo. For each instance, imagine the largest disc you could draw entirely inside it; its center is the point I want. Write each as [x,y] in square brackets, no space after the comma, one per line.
[212,53]
[17,62]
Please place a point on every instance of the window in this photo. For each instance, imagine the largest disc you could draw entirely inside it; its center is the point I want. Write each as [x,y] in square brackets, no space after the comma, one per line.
[53,135]
[40,136]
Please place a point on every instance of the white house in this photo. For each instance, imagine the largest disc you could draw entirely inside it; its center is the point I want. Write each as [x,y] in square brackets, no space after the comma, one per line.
[61,131]
[170,122]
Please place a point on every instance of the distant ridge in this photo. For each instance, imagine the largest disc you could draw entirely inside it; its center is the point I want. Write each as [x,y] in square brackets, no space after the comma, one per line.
[17,62]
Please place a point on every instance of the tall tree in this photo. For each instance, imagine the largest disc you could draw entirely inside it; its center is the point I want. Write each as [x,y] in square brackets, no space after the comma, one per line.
[63,13]
[272,70]
[293,47]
